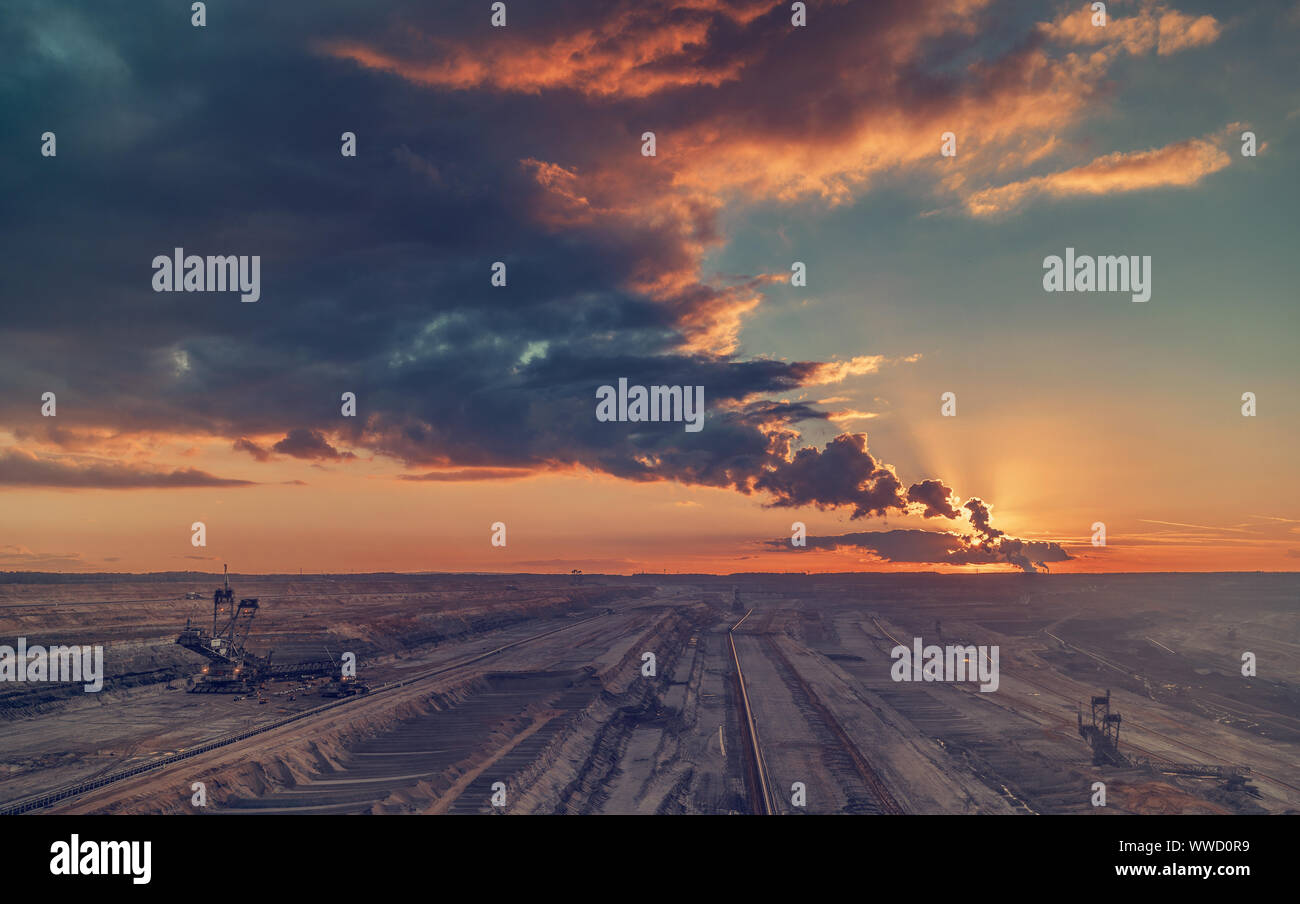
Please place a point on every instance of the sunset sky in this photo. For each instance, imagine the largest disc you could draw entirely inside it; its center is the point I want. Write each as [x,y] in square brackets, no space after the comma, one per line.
[774,144]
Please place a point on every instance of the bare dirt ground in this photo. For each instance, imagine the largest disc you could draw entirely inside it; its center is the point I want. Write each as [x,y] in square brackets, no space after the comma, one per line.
[566,718]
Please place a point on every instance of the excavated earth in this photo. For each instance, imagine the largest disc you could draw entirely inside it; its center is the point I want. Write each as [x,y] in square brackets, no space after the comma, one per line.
[621,695]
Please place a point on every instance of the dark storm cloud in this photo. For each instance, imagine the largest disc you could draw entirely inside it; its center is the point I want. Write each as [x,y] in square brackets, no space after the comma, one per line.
[895,545]
[304,443]
[375,269]
[244,444]
[981,517]
[842,474]
[941,548]
[935,497]
[300,442]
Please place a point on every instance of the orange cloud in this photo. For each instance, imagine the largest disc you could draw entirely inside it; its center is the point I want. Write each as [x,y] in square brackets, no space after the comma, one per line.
[673,229]
[836,371]
[1153,26]
[851,415]
[763,111]
[637,51]
[822,372]
[1181,164]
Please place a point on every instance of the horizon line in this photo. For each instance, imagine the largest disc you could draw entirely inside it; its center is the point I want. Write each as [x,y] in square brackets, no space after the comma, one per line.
[585,574]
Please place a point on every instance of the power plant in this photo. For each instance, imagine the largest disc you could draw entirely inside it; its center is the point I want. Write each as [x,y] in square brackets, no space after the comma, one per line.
[231,668]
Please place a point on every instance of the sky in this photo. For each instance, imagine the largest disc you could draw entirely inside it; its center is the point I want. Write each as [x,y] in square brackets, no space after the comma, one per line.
[525,145]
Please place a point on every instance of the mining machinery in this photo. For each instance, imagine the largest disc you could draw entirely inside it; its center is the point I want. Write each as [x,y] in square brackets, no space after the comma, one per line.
[1103,733]
[344,686]
[231,668]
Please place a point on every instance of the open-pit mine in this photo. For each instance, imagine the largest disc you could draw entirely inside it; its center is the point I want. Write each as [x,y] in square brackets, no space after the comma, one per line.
[657,694]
